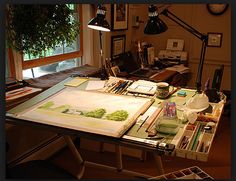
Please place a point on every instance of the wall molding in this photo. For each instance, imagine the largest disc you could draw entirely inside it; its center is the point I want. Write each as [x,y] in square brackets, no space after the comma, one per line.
[211,62]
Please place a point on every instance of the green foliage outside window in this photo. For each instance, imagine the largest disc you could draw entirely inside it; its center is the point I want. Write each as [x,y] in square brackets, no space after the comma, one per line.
[33,29]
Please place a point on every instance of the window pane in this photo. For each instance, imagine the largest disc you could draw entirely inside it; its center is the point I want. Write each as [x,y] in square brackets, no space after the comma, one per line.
[57,50]
[29,57]
[51,68]
[73,47]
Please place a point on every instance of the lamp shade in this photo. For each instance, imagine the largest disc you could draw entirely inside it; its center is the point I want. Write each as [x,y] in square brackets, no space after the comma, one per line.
[99,22]
[154,25]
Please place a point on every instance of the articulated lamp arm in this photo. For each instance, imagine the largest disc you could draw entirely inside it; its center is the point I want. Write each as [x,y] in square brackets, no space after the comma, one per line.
[199,35]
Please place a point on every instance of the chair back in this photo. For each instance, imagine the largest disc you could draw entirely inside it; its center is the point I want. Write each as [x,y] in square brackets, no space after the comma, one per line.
[216,82]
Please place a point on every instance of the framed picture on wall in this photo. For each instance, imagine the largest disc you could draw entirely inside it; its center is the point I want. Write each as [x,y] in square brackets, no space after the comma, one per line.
[214,39]
[117,46]
[119,16]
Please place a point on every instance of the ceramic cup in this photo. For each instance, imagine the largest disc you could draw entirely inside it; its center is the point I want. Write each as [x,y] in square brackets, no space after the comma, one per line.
[163,90]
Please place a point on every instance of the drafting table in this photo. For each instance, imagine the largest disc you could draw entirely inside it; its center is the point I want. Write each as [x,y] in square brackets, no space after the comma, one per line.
[131,138]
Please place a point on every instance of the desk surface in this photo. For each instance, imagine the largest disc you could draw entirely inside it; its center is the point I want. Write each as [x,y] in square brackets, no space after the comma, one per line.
[131,137]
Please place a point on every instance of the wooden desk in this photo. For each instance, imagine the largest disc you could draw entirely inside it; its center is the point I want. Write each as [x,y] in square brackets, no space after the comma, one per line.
[128,139]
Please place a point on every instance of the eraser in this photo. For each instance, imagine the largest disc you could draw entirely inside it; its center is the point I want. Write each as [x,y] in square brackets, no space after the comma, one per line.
[181,93]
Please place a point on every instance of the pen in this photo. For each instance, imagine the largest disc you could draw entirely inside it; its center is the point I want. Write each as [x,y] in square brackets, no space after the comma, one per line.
[142,123]
[194,94]
[125,88]
[116,86]
[156,138]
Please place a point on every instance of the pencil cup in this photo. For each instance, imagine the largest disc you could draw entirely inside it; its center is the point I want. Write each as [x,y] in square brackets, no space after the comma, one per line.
[163,90]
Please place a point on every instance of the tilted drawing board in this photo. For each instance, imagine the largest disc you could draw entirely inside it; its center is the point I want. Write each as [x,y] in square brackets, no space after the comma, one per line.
[88,111]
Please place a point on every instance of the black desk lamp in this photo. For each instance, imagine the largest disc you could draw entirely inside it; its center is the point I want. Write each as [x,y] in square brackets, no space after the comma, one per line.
[99,23]
[155,26]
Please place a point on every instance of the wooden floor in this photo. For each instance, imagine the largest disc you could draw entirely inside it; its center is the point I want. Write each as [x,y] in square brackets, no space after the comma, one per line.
[218,165]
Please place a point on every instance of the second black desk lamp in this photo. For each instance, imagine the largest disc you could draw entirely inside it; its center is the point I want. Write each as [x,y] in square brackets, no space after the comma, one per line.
[99,23]
[156,26]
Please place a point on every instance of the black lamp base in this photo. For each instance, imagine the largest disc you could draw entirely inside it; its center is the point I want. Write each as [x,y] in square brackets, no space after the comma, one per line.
[103,74]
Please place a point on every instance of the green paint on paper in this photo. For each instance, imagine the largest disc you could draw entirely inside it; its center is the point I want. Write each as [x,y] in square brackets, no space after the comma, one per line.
[119,115]
[97,113]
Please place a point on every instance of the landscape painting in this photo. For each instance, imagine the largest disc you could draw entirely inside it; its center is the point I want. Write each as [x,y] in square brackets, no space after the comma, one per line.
[93,112]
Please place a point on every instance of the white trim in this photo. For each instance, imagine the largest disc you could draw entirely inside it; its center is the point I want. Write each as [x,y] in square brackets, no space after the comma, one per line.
[88,57]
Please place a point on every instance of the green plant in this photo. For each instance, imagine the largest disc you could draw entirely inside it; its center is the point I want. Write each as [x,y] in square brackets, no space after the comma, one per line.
[35,28]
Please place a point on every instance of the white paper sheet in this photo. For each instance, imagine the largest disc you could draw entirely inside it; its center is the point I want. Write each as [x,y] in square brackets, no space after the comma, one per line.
[70,99]
[95,84]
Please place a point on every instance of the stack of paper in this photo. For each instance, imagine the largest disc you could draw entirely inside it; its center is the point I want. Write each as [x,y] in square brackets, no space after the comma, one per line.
[143,87]
[75,82]
[179,68]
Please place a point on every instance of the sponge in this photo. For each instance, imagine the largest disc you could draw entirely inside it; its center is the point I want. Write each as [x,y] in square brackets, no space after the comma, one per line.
[181,93]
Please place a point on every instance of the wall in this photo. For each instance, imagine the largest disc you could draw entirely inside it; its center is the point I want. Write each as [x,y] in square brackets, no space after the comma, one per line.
[204,23]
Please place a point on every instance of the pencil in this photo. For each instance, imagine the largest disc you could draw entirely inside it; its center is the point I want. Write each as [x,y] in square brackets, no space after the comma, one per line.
[142,123]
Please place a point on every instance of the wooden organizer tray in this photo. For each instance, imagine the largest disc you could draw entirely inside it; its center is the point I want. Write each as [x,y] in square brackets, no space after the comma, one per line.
[198,145]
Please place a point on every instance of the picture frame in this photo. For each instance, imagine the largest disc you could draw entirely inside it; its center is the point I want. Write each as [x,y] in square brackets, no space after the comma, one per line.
[117,46]
[214,39]
[119,16]
[115,70]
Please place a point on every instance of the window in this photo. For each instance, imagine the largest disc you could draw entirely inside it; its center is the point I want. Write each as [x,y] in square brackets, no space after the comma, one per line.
[59,58]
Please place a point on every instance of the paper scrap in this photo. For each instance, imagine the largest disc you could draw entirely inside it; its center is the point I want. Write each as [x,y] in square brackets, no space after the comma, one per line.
[95,84]
[76,81]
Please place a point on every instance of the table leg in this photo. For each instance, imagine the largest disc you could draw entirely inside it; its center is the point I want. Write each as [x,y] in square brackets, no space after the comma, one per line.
[118,157]
[76,154]
[101,148]
[143,156]
[118,168]
[159,165]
